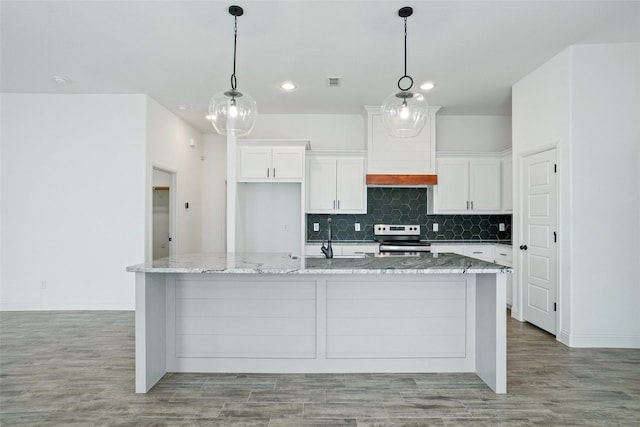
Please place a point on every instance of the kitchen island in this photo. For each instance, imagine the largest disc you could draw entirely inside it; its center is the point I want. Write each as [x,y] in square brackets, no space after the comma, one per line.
[273,313]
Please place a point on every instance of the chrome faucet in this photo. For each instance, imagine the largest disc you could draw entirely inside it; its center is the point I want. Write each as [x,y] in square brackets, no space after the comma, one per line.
[328,250]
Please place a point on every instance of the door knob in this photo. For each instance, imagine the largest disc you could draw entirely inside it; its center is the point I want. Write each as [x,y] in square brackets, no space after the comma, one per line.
[523,247]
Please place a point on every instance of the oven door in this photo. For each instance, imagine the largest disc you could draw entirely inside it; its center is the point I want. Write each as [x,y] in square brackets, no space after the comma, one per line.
[404,247]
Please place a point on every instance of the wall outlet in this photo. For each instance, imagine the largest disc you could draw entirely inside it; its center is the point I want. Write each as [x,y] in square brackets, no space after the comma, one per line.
[435,226]
[357,226]
[501,227]
[316,226]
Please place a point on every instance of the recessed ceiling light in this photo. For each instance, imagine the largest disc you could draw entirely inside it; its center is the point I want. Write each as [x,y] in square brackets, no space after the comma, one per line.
[60,80]
[288,86]
[427,86]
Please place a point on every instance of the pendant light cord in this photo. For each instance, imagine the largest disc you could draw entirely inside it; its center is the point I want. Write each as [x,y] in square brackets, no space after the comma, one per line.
[405,76]
[405,47]
[234,80]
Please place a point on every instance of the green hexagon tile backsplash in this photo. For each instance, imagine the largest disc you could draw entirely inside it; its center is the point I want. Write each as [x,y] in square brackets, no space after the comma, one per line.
[388,205]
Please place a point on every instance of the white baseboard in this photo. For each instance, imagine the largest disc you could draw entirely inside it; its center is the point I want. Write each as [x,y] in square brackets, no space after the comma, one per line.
[601,341]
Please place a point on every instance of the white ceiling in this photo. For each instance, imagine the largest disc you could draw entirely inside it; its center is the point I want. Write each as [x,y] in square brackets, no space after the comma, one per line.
[180,52]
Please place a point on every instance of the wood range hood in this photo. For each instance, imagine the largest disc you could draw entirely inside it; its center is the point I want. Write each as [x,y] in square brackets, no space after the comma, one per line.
[401,180]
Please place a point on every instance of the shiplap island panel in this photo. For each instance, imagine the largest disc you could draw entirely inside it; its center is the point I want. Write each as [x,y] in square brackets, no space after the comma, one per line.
[271,313]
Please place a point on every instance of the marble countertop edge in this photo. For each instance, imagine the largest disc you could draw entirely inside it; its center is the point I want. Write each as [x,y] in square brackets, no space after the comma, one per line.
[266,263]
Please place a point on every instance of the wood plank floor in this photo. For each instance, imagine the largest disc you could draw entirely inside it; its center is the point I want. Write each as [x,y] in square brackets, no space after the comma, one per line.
[77,368]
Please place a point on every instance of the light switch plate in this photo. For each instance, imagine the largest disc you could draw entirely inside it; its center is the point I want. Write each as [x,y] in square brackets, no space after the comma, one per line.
[435,226]
[357,226]
[501,227]
[316,226]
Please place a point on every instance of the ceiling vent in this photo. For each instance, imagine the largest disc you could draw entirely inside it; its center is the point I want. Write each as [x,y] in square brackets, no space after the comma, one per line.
[333,81]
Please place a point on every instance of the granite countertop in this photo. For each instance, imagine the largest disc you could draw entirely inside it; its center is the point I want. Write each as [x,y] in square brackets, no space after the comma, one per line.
[446,242]
[278,263]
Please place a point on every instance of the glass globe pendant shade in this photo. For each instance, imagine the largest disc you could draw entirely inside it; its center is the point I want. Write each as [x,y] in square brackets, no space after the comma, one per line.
[404,114]
[233,113]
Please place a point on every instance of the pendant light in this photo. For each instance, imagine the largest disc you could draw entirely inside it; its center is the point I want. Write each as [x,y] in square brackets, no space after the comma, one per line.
[405,113]
[232,112]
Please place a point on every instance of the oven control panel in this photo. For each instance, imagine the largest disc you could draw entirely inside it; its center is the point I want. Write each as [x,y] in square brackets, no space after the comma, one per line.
[396,230]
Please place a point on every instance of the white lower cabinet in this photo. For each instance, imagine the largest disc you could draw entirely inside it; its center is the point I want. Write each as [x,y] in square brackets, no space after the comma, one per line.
[504,256]
[499,254]
[343,249]
[483,252]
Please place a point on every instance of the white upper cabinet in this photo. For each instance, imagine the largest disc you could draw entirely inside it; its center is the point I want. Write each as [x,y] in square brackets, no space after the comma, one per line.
[507,184]
[390,155]
[336,183]
[262,161]
[468,185]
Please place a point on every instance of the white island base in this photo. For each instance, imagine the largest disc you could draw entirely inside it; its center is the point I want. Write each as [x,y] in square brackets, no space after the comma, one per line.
[308,321]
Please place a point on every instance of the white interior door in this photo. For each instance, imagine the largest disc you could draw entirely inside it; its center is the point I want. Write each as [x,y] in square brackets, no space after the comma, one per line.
[538,246]
[163,214]
[161,222]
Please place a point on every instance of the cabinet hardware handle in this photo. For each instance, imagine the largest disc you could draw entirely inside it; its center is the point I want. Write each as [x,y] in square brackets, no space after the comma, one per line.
[479,252]
[502,254]
[523,247]
[472,205]
[267,172]
[334,204]
[274,172]
[467,205]
[338,204]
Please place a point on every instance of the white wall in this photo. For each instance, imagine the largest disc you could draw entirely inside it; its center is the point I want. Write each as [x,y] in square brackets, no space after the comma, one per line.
[77,172]
[587,99]
[347,131]
[169,148]
[325,131]
[268,217]
[73,200]
[473,133]
[214,182]
[605,195]
[541,119]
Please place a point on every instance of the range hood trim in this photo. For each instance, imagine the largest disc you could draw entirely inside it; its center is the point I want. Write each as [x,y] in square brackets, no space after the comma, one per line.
[401,180]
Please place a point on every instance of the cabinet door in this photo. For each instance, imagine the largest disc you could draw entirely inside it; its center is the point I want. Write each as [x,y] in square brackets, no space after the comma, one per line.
[254,164]
[507,185]
[351,187]
[440,248]
[287,163]
[453,185]
[483,252]
[484,185]
[390,155]
[321,185]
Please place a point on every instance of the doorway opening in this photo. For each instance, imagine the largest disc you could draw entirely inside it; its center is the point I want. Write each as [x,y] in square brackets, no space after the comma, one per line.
[163,214]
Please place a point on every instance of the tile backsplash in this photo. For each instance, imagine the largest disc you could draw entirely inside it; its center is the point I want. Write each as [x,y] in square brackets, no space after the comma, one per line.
[390,205]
